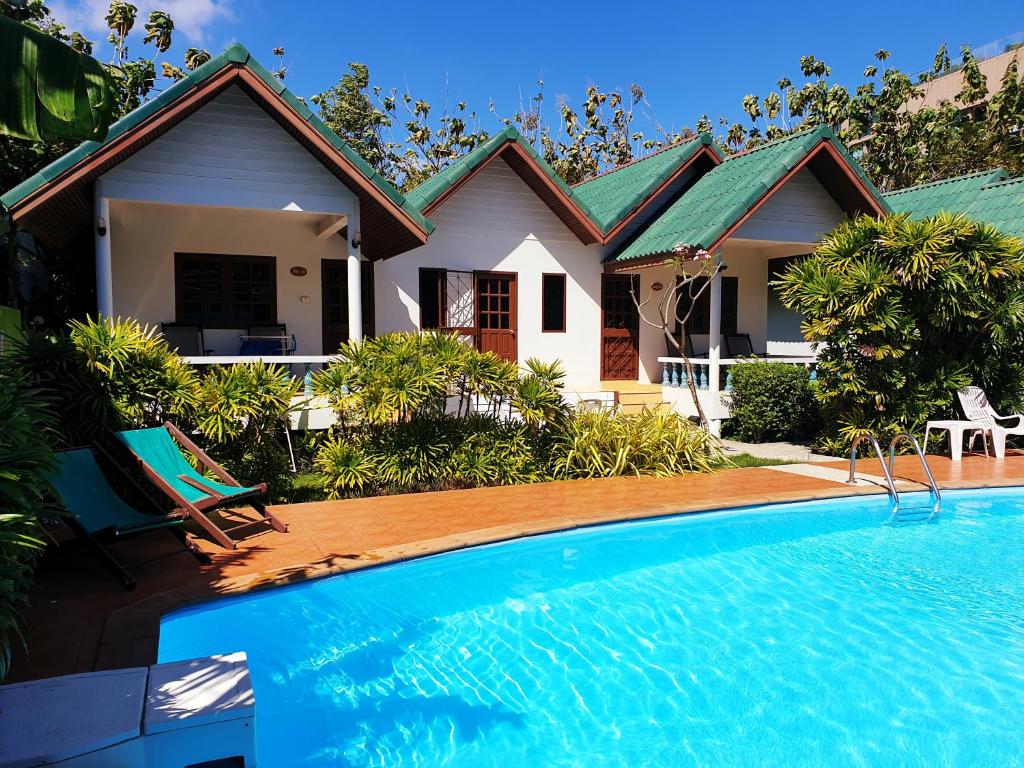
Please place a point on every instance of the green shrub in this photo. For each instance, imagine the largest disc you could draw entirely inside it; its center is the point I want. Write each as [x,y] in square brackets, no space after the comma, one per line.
[907,312]
[26,461]
[772,401]
[609,444]
[429,453]
[54,366]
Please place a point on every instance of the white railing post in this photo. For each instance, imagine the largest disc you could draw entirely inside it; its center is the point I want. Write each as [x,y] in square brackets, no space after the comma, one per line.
[714,353]
[355,281]
[104,258]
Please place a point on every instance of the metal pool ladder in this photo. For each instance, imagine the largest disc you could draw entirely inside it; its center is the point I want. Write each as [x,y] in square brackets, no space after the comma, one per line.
[888,466]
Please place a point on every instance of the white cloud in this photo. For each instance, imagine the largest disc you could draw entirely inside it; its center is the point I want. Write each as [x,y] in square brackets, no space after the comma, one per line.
[192,18]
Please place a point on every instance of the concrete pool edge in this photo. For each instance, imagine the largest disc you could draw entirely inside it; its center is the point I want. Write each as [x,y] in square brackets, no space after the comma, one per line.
[131,633]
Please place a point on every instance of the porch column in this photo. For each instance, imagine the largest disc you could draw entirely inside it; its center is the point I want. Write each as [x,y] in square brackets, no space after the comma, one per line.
[714,353]
[104,264]
[355,282]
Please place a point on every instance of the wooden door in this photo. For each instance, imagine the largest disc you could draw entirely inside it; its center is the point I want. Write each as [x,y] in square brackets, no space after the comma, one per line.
[620,328]
[496,314]
[334,297]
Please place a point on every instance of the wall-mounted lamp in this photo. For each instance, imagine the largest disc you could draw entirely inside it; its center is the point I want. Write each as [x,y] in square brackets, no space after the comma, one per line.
[357,239]
[101,226]
[656,286]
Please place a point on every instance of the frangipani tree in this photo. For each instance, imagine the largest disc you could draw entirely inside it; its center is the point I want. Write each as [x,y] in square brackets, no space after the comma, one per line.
[693,269]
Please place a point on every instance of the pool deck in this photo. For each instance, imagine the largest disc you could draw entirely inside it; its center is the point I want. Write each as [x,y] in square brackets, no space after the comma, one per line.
[81,619]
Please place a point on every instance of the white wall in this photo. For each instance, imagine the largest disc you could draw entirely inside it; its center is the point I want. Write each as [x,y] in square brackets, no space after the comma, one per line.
[496,222]
[230,153]
[144,238]
[800,212]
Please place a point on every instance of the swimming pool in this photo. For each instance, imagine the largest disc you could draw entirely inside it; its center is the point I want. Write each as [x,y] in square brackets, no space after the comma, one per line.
[800,634]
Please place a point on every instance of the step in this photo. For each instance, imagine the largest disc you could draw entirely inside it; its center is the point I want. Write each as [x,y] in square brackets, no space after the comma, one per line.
[639,407]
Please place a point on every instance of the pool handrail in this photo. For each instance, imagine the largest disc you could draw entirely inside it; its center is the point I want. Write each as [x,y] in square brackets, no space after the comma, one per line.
[891,486]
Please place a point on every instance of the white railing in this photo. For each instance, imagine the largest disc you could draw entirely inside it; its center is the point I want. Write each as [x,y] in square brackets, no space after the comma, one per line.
[306,361]
[673,370]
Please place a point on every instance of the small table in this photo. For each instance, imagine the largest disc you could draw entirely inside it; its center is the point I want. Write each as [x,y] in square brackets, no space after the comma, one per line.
[956,431]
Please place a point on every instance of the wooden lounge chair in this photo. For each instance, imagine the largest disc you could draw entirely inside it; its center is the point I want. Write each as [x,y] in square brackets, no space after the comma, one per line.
[158,453]
[96,512]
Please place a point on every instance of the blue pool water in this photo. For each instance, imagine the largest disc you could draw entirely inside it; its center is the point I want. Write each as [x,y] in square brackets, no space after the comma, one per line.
[805,634]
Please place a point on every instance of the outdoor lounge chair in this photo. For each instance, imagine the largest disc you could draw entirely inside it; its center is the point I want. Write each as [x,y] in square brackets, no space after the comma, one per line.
[186,339]
[97,512]
[739,345]
[976,407]
[158,452]
[671,350]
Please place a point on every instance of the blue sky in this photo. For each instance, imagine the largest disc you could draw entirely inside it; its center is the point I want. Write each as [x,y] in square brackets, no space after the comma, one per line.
[690,57]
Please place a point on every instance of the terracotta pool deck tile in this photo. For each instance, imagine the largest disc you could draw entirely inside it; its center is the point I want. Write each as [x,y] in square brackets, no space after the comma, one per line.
[80,618]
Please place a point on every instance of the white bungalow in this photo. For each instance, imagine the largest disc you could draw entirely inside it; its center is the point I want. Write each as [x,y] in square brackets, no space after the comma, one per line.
[226,204]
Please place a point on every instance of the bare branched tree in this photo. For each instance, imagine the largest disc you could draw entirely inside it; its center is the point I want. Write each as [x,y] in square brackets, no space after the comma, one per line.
[670,312]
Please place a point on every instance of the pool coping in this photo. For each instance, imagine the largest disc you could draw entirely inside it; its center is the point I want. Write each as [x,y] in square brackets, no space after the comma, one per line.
[131,634]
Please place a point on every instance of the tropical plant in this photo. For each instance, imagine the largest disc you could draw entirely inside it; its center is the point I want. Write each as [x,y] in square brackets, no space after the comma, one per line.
[344,468]
[608,444]
[53,91]
[240,412]
[772,401]
[55,367]
[430,453]
[144,379]
[26,462]
[906,312]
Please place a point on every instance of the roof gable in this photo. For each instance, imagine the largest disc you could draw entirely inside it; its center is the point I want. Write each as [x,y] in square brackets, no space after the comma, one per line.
[51,201]
[511,147]
[989,196]
[616,194]
[725,197]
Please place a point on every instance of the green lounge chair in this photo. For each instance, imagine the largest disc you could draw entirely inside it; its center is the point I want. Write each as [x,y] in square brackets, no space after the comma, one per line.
[96,511]
[158,452]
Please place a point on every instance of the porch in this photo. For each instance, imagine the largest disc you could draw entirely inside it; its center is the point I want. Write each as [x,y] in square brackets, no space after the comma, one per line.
[737,317]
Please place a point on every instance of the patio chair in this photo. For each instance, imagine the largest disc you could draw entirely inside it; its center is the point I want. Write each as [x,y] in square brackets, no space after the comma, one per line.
[186,339]
[976,407]
[96,511]
[158,451]
[739,345]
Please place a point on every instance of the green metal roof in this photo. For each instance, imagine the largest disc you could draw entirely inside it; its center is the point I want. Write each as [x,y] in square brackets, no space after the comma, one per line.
[431,189]
[989,196]
[613,195]
[234,54]
[725,193]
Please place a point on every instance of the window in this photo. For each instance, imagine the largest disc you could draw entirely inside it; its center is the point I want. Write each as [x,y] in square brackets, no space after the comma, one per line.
[225,291]
[447,299]
[700,320]
[553,303]
[431,298]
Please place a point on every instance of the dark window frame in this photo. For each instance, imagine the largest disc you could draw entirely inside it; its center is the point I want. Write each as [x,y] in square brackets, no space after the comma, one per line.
[563,278]
[225,320]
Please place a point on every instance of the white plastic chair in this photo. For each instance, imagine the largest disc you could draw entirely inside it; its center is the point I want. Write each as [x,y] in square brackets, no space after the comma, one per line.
[977,408]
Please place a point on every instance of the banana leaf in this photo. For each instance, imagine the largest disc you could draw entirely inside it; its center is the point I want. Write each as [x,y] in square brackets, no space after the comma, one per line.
[48,90]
